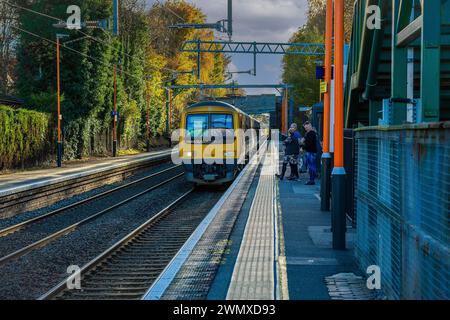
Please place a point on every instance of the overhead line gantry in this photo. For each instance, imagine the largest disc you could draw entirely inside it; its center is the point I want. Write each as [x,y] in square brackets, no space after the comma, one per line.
[198,46]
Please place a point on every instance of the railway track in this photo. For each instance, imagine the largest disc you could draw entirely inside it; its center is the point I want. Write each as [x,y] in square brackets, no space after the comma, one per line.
[45,195]
[70,208]
[128,268]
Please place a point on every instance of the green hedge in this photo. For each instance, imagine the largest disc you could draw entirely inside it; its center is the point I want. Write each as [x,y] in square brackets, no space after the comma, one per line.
[24,137]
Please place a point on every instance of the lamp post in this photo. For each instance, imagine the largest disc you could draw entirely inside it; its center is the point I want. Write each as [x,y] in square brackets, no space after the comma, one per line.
[338,176]
[114,114]
[58,98]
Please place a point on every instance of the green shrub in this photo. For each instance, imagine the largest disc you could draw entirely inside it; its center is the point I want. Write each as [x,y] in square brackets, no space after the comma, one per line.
[24,136]
[130,124]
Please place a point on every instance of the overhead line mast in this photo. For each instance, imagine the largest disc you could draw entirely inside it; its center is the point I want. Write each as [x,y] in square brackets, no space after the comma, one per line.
[224,26]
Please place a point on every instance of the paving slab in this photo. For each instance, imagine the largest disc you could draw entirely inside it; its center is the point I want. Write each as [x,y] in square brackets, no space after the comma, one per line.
[310,258]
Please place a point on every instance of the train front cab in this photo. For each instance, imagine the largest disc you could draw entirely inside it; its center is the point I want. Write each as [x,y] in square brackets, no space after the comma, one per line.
[213,162]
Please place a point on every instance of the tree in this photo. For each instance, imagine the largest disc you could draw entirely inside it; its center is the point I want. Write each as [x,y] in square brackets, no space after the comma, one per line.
[145,56]
[300,70]
[167,63]
[8,20]
[86,72]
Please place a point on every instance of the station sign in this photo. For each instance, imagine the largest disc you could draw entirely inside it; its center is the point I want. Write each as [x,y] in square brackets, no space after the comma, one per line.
[323,87]
[320,72]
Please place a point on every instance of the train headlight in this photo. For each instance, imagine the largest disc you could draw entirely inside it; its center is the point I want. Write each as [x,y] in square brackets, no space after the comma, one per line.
[188,154]
[228,154]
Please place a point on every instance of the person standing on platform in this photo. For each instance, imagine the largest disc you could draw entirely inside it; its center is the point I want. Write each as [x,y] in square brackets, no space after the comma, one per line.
[310,146]
[291,152]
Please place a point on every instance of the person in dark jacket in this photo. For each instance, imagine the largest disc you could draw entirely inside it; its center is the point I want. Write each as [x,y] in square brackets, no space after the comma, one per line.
[292,150]
[310,146]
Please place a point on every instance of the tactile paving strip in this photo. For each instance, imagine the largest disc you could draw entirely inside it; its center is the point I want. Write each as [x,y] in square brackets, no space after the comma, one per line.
[194,279]
[253,275]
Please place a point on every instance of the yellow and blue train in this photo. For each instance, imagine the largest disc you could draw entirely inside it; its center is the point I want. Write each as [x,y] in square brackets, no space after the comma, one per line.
[210,159]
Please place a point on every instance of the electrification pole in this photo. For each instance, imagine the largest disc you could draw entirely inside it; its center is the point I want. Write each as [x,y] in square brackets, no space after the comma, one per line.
[168,113]
[325,182]
[339,175]
[230,19]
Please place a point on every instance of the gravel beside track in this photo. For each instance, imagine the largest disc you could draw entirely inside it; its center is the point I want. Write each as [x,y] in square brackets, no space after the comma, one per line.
[128,271]
[4,223]
[42,229]
[37,272]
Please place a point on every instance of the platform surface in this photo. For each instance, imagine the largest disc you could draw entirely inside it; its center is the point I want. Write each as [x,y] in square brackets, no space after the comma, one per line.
[307,238]
[268,241]
[19,181]
[283,249]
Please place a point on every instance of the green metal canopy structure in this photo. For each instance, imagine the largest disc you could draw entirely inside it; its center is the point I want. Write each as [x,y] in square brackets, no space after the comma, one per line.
[401,72]
[397,96]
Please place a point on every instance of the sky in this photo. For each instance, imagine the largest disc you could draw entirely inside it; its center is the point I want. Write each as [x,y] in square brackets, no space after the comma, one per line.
[260,21]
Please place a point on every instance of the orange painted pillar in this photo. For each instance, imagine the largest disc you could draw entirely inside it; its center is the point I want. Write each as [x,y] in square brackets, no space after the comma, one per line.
[328,64]
[338,177]
[339,84]
[325,180]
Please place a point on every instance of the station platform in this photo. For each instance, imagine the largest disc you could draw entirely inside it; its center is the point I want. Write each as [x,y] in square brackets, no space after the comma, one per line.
[264,240]
[30,179]
[26,191]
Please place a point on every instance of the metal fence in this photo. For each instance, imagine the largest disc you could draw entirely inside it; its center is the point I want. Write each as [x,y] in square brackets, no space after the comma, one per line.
[402,201]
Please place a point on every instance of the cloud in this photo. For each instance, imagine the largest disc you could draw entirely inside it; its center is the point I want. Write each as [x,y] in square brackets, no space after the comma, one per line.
[232,67]
[271,68]
[259,20]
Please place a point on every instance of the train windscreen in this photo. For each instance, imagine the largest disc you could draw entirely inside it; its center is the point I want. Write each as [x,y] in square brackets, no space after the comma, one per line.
[221,121]
[197,125]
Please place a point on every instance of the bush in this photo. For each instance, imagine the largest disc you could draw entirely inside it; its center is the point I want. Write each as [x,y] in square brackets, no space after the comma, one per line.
[130,124]
[25,137]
